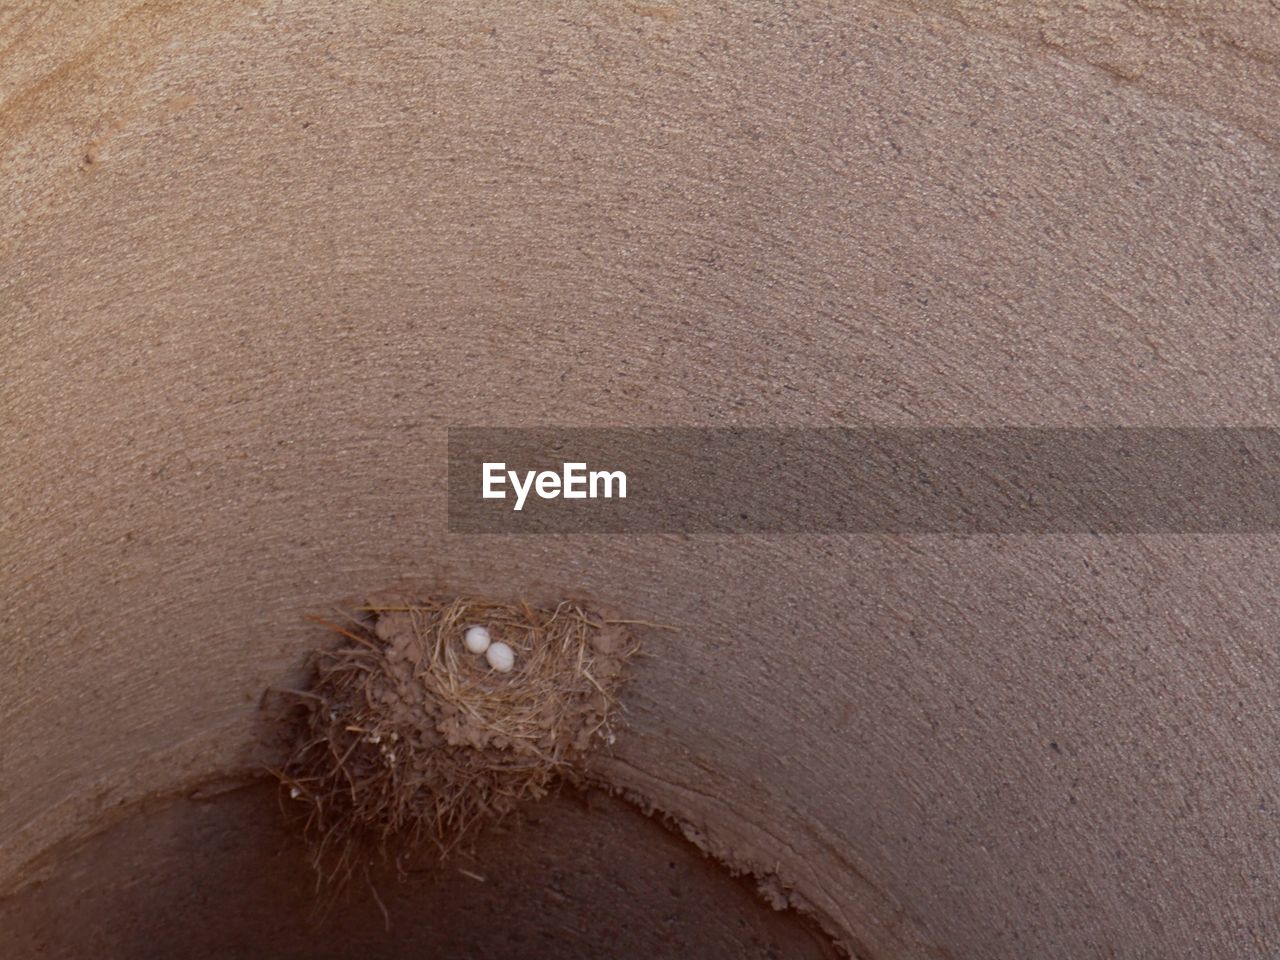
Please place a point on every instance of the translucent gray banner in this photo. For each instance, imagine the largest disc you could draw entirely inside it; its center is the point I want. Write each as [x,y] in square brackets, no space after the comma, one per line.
[857,480]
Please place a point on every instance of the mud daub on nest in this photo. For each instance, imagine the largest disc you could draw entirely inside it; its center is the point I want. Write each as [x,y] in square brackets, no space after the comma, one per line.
[406,739]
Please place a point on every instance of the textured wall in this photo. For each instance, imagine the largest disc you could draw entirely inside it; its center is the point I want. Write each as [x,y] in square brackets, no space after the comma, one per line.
[256,257]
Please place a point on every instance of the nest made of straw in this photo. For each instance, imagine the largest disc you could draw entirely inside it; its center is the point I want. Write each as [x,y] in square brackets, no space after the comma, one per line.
[408,739]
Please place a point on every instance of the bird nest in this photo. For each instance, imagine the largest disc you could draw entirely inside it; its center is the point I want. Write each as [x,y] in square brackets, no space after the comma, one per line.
[406,739]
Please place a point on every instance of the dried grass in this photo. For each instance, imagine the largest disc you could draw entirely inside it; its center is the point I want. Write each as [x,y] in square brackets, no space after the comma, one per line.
[408,740]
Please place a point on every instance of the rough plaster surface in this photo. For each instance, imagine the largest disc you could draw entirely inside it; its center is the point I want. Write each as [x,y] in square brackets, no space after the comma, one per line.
[256,257]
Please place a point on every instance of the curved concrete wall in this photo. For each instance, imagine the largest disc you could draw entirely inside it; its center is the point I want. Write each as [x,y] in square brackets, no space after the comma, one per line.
[220,876]
[256,258]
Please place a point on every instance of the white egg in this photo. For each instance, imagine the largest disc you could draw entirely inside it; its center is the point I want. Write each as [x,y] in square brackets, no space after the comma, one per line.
[501,657]
[476,639]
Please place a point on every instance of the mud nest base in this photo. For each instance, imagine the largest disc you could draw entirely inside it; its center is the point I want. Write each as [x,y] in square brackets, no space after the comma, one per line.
[407,740]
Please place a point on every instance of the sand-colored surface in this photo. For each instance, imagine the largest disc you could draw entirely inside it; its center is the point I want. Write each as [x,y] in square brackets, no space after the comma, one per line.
[255,258]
